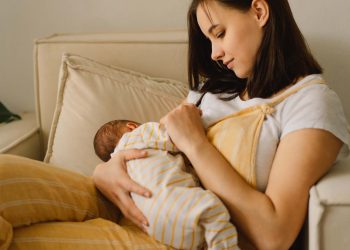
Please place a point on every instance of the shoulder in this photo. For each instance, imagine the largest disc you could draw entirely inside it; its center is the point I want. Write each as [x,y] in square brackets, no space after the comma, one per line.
[315,106]
[317,98]
[312,102]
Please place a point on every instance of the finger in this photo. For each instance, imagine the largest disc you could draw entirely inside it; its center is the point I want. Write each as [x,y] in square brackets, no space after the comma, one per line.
[133,220]
[127,207]
[133,213]
[195,107]
[132,154]
[189,104]
[134,187]
[129,185]
[113,197]
[163,120]
[184,101]
[162,125]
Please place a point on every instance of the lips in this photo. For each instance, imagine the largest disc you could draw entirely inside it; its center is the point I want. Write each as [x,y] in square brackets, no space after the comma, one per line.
[229,63]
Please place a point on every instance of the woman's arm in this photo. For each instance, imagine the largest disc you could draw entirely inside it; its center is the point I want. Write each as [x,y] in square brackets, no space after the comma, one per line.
[276,216]
[270,220]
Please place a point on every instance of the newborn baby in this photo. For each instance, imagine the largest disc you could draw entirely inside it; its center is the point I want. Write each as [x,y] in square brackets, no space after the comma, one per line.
[181,214]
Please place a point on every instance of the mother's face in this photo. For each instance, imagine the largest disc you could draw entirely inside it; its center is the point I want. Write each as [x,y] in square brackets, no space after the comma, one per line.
[235,35]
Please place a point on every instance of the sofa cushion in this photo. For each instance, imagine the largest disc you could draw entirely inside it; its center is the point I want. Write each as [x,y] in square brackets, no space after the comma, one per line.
[91,94]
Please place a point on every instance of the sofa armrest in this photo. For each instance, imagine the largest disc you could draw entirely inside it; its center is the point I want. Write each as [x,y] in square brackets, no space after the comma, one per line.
[329,210]
[21,137]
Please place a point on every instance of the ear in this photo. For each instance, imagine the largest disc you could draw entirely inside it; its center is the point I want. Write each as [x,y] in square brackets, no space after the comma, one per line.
[261,11]
[131,125]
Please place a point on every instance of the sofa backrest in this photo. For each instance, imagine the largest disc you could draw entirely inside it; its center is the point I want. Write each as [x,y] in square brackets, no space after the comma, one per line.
[159,54]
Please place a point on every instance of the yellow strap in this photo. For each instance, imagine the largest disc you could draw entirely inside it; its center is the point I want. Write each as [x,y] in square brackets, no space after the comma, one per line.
[267,108]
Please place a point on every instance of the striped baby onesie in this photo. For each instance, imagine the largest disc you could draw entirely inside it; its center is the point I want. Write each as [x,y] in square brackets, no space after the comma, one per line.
[180,213]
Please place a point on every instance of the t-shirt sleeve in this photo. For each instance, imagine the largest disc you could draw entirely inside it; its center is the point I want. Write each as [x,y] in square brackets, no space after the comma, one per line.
[316,106]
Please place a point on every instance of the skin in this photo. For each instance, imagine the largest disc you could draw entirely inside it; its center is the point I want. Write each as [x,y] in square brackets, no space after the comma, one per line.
[235,36]
[130,126]
[302,156]
[118,190]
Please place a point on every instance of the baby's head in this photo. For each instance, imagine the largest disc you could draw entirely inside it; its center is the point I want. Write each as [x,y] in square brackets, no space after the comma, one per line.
[108,136]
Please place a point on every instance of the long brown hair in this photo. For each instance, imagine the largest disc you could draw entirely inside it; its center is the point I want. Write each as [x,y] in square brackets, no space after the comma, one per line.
[282,58]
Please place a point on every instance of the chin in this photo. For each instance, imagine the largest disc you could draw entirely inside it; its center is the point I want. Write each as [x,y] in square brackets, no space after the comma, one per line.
[242,74]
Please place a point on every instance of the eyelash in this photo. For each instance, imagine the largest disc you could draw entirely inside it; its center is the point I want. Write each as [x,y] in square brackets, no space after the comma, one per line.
[220,35]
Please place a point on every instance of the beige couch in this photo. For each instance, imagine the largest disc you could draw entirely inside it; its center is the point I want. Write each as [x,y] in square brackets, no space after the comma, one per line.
[162,55]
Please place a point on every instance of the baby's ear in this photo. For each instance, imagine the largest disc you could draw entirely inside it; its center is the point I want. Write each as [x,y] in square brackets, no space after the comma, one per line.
[131,125]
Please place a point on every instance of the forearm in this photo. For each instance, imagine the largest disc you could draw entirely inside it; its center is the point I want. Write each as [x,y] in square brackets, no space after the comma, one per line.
[252,211]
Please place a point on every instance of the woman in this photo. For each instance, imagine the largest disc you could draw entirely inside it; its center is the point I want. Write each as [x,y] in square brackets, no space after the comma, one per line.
[271,130]
[249,53]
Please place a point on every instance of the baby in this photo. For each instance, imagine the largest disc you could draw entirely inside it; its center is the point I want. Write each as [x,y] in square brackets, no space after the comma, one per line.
[181,214]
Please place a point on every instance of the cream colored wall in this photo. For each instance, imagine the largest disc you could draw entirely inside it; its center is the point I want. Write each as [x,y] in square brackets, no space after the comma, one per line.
[326,26]
[324,23]
[21,21]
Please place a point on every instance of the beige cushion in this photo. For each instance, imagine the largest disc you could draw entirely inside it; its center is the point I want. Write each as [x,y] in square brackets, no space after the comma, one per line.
[157,54]
[91,94]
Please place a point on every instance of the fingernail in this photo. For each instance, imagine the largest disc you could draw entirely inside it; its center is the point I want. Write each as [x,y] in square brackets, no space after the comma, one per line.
[148,194]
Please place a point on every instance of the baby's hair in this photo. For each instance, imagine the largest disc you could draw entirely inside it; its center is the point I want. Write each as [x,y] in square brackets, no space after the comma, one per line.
[107,138]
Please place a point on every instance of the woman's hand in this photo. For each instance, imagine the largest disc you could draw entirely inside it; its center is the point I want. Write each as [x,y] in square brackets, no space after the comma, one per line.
[185,127]
[112,179]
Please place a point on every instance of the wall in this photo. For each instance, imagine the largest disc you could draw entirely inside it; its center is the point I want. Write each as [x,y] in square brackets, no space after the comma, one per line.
[21,21]
[324,24]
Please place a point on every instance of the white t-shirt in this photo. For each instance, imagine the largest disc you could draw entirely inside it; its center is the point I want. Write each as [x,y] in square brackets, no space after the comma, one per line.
[315,106]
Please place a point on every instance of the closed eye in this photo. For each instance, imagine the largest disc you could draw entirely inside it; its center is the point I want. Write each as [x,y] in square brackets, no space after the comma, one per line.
[220,34]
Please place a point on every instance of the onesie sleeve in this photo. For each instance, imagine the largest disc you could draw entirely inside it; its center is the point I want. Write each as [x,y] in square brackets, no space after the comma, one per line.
[154,136]
[316,106]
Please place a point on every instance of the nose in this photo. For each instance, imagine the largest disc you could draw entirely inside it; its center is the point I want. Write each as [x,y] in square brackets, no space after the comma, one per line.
[217,52]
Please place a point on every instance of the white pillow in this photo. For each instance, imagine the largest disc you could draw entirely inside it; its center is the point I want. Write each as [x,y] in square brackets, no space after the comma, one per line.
[91,94]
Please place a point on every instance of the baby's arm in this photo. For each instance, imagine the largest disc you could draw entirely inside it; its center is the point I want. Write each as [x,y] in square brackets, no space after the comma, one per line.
[155,136]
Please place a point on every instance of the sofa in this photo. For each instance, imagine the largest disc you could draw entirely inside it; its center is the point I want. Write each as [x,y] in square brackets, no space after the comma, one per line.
[75,91]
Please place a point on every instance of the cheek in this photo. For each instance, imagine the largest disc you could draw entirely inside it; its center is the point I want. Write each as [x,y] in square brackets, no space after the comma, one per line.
[247,50]
[240,47]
